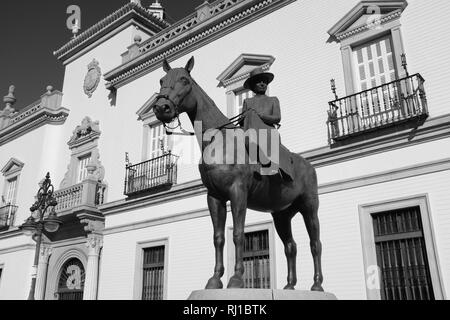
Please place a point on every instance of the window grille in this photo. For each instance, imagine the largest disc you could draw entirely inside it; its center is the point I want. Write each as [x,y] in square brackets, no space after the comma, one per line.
[257,260]
[402,255]
[153,274]
[71,281]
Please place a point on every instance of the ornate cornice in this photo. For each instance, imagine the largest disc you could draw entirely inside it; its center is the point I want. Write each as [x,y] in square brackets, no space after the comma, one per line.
[116,18]
[392,16]
[32,119]
[226,16]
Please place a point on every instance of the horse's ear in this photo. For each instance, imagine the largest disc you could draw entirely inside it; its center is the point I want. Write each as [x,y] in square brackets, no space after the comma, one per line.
[190,64]
[166,66]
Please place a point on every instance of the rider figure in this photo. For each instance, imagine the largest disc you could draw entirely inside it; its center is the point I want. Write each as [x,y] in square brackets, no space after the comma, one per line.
[267,108]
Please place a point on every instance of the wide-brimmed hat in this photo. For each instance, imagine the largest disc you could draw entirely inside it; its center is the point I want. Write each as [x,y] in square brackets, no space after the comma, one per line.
[257,75]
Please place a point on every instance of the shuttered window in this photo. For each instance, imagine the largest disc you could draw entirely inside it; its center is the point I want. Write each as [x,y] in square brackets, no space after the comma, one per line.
[82,168]
[257,260]
[11,191]
[153,274]
[402,255]
[240,98]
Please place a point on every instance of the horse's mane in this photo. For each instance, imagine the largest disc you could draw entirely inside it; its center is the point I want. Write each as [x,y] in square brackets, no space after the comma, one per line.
[210,102]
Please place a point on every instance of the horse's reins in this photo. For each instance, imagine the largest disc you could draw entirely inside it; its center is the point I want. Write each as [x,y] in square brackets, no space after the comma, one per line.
[232,121]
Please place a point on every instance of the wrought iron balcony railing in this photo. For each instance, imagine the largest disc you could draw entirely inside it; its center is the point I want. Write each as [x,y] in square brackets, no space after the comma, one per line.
[7,216]
[151,175]
[386,105]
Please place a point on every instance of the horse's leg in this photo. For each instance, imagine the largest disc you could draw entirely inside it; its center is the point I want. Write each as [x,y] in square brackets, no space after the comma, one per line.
[238,199]
[218,211]
[309,206]
[282,222]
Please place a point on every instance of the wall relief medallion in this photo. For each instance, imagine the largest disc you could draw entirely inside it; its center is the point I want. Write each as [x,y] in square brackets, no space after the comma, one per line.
[92,78]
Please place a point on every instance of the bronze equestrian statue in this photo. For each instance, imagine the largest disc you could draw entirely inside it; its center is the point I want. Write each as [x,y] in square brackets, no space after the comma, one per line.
[238,184]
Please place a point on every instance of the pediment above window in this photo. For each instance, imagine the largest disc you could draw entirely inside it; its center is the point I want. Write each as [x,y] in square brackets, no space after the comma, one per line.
[240,69]
[366,15]
[12,166]
[146,111]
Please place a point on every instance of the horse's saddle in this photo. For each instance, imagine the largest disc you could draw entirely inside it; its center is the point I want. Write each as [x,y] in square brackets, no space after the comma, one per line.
[273,160]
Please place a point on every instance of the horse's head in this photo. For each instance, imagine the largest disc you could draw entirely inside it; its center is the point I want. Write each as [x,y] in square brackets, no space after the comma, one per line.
[176,85]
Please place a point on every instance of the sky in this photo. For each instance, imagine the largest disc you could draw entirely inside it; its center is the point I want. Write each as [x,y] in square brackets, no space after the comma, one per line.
[31,30]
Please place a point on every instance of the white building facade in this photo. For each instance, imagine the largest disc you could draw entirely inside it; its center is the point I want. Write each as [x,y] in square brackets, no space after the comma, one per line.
[136,223]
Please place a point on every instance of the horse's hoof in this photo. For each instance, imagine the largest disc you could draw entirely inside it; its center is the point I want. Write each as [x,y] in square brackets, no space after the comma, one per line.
[235,283]
[214,283]
[289,287]
[317,287]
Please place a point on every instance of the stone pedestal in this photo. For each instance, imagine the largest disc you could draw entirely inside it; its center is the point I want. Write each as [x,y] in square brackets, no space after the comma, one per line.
[259,294]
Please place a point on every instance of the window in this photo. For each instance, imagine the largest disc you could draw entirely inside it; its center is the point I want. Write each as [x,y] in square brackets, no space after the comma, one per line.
[158,140]
[82,170]
[374,64]
[399,250]
[257,260]
[380,93]
[11,185]
[71,280]
[371,52]
[258,256]
[153,273]
[402,255]
[11,171]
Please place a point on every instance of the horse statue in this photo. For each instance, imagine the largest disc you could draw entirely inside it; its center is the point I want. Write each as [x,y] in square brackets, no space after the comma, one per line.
[238,184]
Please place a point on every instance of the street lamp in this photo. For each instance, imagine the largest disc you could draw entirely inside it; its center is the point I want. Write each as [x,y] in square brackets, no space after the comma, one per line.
[36,223]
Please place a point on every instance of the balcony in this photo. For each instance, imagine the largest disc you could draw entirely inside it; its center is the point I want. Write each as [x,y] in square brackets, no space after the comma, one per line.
[151,175]
[7,216]
[85,193]
[388,105]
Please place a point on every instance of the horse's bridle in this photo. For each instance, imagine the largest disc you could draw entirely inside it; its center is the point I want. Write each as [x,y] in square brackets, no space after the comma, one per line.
[233,121]
[177,115]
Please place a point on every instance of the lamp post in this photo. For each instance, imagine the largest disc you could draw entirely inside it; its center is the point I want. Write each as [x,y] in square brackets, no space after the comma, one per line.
[36,223]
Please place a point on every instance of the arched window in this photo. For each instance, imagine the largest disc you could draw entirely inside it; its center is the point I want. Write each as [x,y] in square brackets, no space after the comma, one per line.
[71,281]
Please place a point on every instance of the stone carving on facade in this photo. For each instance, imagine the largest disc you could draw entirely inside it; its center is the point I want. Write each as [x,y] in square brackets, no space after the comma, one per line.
[84,141]
[94,243]
[46,251]
[93,226]
[92,78]
[85,129]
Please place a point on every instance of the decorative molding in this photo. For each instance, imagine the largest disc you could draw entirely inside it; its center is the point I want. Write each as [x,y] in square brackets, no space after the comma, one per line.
[87,130]
[146,111]
[46,251]
[377,12]
[22,247]
[94,243]
[178,192]
[158,221]
[232,74]
[93,226]
[387,176]
[32,120]
[352,32]
[227,16]
[127,12]
[92,78]
[13,164]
